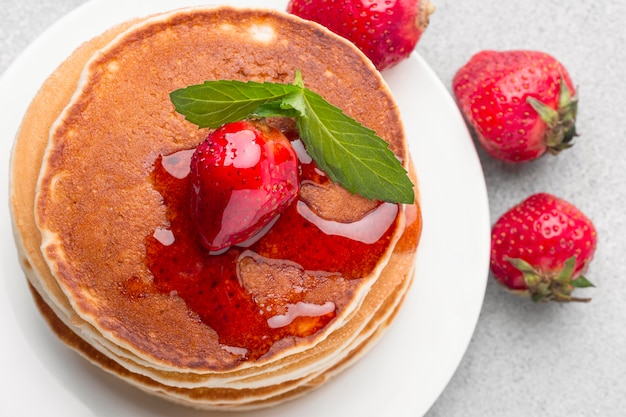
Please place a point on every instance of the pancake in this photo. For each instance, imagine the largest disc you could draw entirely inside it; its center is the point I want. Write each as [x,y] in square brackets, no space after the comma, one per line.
[87,197]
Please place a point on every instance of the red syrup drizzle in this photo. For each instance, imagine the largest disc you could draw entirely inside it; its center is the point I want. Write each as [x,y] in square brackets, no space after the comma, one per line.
[209,284]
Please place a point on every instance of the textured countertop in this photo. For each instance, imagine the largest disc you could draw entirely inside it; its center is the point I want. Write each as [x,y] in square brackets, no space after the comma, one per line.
[524,359]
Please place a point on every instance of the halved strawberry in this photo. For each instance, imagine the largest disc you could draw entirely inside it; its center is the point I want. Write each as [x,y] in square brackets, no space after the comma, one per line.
[242,177]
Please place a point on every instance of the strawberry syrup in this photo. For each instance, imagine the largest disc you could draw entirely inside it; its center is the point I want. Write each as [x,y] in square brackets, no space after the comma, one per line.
[209,284]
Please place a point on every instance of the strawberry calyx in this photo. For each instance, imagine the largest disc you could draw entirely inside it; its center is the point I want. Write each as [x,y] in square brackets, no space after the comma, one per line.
[554,286]
[561,122]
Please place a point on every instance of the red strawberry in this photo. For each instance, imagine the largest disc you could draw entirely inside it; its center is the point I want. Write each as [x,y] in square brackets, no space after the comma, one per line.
[520,103]
[242,176]
[386,31]
[541,247]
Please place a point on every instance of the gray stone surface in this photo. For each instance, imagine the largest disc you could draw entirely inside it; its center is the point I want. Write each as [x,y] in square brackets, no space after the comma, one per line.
[524,359]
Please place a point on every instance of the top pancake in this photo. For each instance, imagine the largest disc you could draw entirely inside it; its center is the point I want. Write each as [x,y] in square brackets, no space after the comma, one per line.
[96,203]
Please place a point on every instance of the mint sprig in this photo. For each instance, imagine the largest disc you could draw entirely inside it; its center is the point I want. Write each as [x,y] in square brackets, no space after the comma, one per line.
[215,103]
[348,152]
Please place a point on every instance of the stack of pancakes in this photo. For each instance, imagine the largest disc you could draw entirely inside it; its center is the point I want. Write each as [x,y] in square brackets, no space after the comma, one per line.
[84,204]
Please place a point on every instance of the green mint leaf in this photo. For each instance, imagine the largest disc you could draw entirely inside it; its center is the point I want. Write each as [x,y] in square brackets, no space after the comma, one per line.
[215,103]
[291,105]
[275,109]
[296,102]
[297,79]
[351,154]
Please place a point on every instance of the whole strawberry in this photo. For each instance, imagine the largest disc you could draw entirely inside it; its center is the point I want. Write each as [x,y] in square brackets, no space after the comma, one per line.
[542,246]
[386,31]
[521,104]
[242,176]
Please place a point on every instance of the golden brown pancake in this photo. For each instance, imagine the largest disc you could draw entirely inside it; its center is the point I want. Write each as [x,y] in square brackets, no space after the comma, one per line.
[85,159]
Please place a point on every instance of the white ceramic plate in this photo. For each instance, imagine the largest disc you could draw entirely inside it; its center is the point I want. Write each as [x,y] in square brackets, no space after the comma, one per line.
[402,376]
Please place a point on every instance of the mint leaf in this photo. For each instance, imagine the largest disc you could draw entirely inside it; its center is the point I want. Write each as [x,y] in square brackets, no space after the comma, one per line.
[275,110]
[215,103]
[350,153]
[291,105]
